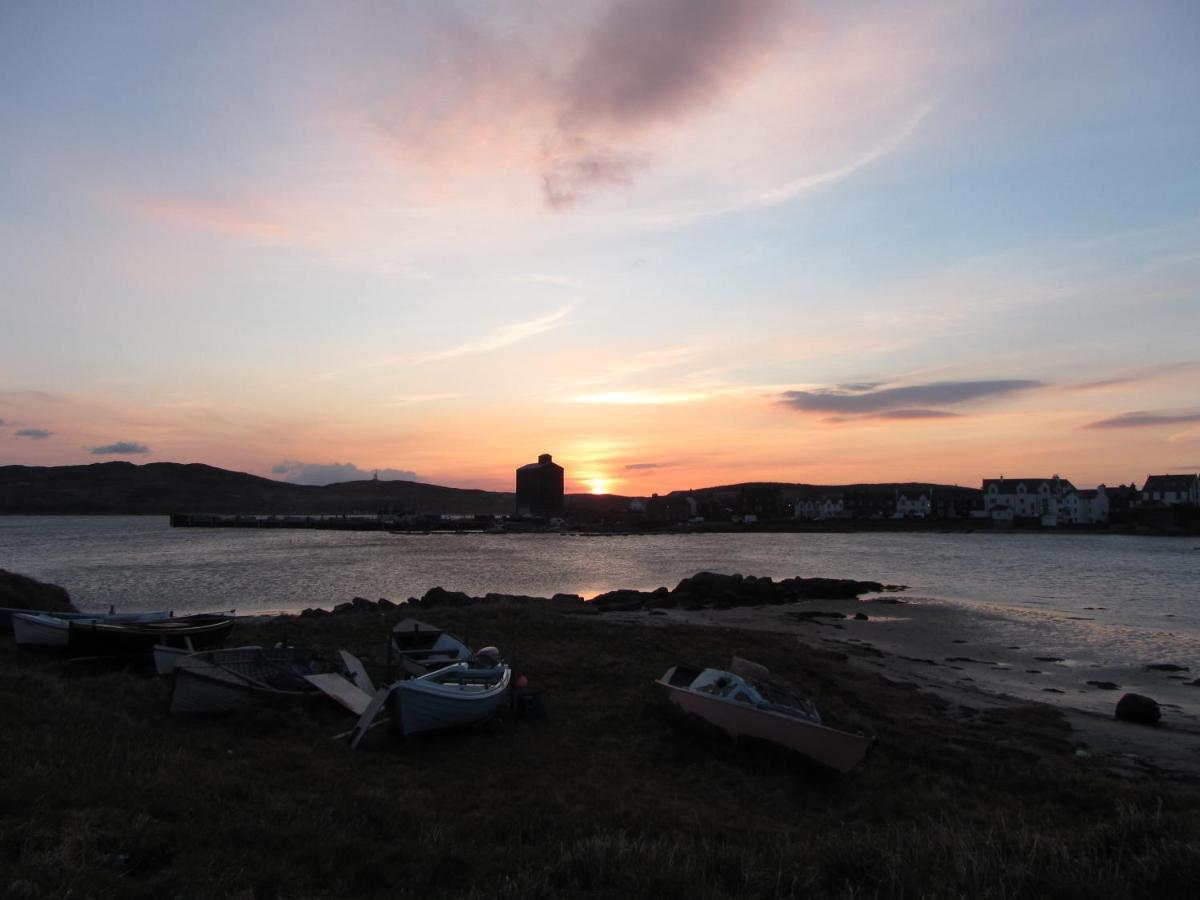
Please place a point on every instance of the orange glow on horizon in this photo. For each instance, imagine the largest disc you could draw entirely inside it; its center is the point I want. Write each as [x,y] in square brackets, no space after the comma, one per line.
[599,485]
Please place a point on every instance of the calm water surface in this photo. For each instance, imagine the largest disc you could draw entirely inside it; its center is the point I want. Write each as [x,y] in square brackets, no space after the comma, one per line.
[1147,586]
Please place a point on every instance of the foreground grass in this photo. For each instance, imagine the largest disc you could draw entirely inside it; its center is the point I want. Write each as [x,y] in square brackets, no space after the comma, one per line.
[103,795]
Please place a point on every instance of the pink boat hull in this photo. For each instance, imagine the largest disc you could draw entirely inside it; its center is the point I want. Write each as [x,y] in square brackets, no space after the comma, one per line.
[839,750]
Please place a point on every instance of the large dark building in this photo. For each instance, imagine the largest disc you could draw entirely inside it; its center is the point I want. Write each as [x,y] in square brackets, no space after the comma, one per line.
[540,488]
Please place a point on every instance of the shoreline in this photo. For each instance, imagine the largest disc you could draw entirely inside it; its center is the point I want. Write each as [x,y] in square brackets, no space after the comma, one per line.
[973,658]
[952,651]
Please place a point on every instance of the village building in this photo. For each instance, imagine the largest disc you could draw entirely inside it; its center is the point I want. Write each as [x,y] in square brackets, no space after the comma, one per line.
[1087,507]
[1028,498]
[540,488]
[816,506]
[913,504]
[1171,490]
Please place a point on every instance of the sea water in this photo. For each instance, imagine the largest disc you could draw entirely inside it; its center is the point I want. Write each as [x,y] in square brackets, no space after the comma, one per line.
[1128,596]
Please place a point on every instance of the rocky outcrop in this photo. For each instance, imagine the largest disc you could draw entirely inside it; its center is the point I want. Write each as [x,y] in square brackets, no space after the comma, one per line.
[700,591]
[1138,708]
[23,592]
[439,596]
[706,590]
[357,605]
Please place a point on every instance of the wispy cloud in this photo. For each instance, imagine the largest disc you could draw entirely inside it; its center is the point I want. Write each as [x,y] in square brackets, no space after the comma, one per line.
[120,448]
[918,401]
[418,399]
[37,434]
[504,336]
[1137,376]
[641,397]
[226,218]
[647,465]
[1139,419]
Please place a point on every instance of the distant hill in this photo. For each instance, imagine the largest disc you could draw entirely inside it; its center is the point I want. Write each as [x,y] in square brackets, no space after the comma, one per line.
[161,488]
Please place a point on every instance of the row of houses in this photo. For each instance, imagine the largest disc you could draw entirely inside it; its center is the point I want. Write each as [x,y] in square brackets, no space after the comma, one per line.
[1055,501]
[1050,501]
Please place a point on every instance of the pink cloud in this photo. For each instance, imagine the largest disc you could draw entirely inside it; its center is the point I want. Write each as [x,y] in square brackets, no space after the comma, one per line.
[227,219]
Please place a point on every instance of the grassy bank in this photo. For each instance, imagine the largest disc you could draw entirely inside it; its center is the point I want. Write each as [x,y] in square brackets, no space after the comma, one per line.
[103,795]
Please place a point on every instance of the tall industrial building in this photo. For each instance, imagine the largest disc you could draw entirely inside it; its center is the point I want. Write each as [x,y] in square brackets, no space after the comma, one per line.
[540,488]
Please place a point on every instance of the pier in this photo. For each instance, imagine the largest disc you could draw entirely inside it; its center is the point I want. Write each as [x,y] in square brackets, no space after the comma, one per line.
[347,522]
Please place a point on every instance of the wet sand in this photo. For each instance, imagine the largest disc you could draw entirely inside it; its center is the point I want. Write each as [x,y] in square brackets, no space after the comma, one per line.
[979,660]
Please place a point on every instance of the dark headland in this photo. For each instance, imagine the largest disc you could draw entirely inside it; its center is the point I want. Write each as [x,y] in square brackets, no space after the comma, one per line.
[104,795]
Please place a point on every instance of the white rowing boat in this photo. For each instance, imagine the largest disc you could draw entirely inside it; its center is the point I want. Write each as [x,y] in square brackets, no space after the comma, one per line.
[215,681]
[32,629]
[451,697]
[736,705]
[422,648]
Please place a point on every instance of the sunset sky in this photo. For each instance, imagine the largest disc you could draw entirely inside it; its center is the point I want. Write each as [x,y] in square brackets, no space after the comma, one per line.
[675,243]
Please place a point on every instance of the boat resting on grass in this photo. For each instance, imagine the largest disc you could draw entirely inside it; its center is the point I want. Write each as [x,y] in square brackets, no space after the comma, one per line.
[217,681]
[131,638]
[31,629]
[463,693]
[421,648]
[737,706]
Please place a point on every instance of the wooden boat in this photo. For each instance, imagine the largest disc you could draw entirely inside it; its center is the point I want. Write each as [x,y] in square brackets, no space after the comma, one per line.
[737,706]
[421,648]
[8,612]
[216,681]
[53,629]
[107,639]
[462,693]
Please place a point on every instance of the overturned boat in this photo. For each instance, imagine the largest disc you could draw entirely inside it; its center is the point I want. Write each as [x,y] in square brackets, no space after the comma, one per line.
[742,709]
[216,681]
[421,648]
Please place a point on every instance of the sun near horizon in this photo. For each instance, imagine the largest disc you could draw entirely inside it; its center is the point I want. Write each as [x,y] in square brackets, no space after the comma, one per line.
[829,243]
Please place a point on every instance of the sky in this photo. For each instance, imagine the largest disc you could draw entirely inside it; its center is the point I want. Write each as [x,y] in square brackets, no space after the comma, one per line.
[676,243]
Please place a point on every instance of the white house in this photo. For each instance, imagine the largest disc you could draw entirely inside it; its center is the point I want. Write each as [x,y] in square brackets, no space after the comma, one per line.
[1040,498]
[1087,507]
[1171,490]
[819,506]
[913,505]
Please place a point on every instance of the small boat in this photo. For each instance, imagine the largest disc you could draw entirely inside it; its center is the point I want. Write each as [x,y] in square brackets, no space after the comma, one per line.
[736,705]
[216,681]
[422,648]
[197,632]
[462,693]
[8,612]
[53,629]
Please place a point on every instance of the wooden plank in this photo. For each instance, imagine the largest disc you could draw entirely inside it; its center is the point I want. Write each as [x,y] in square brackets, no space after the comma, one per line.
[367,719]
[343,691]
[358,672]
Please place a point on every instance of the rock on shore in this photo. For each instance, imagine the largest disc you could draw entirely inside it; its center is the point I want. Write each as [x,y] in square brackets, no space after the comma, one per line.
[700,591]
[23,592]
[713,590]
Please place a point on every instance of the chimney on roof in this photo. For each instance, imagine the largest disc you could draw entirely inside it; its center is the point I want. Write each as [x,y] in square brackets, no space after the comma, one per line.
[544,458]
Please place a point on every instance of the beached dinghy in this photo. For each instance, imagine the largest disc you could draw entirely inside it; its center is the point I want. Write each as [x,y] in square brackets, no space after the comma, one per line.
[111,638]
[53,629]
[7,614]
[462,693]
[216,681]
[422,648]
[738,707]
